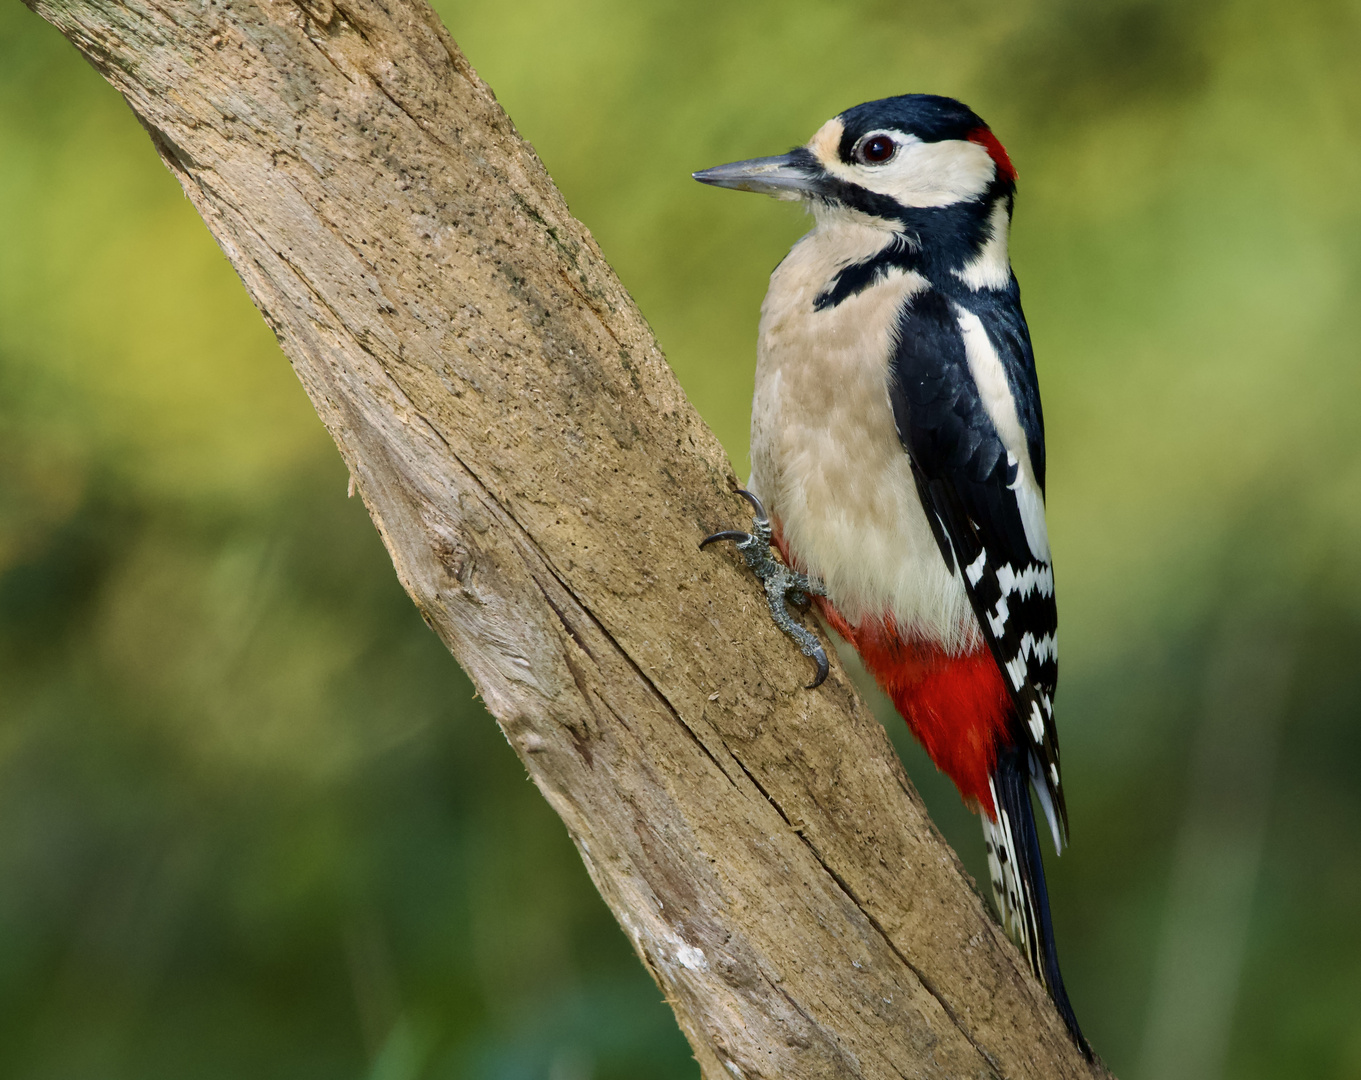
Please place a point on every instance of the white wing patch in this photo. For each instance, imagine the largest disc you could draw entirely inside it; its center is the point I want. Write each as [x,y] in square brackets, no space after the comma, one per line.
[993,390]
[1031,505]
[1042,649]
[1036,722]
[1030,579]
[998,620]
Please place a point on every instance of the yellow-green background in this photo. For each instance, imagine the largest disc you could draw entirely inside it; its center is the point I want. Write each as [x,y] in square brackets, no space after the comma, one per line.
[252,822]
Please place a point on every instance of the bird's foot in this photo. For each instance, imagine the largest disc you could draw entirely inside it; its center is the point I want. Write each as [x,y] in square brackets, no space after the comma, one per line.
[782,585]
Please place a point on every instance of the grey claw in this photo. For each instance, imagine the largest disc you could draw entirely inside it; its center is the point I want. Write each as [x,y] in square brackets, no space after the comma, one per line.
[781,583]
[727,534]
[755,505]
[823,668]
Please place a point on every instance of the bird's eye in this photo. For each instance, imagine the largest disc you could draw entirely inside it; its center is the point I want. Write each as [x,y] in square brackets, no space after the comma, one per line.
[875,150]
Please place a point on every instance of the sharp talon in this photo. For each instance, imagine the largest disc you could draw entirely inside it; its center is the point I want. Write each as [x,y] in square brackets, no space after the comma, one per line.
[755,503]
[823,668]
[726,534]
[782,583]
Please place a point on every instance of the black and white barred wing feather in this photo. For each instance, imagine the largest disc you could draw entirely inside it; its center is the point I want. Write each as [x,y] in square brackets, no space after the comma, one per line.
[967,409]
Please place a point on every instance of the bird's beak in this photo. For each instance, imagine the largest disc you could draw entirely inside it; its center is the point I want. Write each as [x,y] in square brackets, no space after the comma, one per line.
[787,176]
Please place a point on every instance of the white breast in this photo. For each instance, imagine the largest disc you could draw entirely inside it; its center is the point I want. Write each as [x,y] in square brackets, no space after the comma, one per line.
[826,458]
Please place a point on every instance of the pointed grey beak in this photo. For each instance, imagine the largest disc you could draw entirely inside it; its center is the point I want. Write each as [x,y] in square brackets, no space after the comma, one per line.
[786,176]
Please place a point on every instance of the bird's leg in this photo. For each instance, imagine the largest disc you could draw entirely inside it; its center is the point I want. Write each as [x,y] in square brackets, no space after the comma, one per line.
[782,584]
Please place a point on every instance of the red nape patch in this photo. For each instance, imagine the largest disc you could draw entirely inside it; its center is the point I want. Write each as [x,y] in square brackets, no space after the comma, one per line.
[986,139]
[956,706]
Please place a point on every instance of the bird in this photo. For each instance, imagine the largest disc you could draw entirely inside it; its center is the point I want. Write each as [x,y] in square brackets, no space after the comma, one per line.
[898,463]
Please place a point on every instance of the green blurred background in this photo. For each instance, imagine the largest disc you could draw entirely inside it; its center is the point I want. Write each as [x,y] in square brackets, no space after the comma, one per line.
[253,822]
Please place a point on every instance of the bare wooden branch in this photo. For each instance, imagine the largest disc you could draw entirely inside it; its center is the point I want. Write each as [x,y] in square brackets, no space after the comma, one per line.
[542,484]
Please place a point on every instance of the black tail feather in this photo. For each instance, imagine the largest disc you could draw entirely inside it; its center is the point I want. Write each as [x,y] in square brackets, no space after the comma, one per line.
[1011,783]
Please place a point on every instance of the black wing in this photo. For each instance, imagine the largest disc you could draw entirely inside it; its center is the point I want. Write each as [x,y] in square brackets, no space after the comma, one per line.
[979,502]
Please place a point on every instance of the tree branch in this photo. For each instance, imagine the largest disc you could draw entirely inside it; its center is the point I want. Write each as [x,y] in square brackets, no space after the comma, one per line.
[542,485]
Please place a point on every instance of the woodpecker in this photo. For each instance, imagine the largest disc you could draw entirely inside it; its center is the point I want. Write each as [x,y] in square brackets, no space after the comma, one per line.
[897,450]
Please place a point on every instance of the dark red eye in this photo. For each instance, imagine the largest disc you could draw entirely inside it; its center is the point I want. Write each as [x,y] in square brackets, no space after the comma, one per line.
[876,150]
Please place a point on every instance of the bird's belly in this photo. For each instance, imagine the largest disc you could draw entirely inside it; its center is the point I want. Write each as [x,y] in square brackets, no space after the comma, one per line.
[827,461]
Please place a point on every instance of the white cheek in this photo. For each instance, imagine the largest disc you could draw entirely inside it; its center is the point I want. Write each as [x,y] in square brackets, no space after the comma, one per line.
[925,174]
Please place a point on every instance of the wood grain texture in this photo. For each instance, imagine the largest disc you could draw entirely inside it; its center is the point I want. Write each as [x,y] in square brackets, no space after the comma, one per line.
[542,485]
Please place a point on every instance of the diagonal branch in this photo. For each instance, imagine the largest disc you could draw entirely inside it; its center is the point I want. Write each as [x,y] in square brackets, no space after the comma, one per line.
[542,484]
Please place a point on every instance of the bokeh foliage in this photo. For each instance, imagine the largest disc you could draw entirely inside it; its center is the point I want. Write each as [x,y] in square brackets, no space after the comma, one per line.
[253,821]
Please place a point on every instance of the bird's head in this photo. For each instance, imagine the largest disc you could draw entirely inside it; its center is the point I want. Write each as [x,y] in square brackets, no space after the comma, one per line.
[885,158]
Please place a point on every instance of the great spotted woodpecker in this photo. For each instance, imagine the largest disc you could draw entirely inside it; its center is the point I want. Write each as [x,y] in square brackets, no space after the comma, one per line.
[898,446]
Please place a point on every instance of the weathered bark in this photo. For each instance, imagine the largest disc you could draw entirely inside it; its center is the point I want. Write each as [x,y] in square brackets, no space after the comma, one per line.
[542,483]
